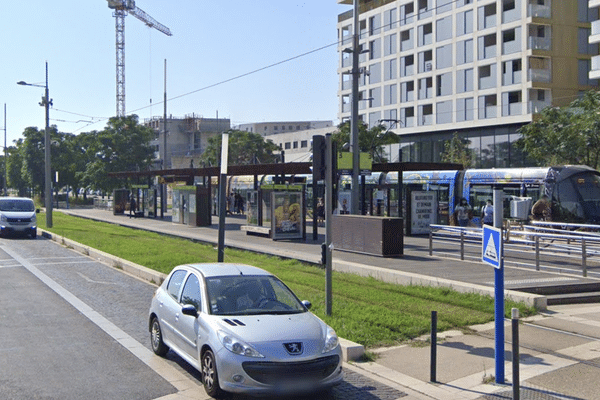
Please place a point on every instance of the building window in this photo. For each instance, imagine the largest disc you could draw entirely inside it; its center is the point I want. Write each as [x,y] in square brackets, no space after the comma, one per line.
[407,13]
[443,29]
[390,93]
[390,45]
[464,23]
[407,67]
[288,145]
[425,88]
[303,144]
[406,40]
[390,69]
[426,114]
[390,19]
[464,51]
[444,84]
[464,80]
[295,145]
[425,34]
[443,56]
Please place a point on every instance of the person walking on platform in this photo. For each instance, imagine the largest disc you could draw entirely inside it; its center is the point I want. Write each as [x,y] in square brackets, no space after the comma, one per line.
[487,214]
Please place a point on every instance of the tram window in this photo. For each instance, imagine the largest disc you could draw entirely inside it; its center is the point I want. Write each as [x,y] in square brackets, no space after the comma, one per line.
[567,205]
[480,194]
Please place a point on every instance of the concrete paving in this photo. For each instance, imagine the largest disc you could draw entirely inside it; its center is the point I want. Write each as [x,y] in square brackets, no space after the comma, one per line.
[559,348]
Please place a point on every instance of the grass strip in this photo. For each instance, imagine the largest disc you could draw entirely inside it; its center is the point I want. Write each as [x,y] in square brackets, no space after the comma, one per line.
[365,310]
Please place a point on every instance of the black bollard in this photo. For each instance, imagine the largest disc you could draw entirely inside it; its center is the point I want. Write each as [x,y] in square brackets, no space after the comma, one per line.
[433,362]
[515,352]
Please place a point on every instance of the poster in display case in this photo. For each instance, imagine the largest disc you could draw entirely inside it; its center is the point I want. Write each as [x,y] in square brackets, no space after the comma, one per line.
[287,215]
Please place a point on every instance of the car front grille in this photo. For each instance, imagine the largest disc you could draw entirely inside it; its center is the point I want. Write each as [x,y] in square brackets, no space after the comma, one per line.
[272,373]
[18,221]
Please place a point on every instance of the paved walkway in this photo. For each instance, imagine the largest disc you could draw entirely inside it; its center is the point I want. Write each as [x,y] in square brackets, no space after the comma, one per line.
[559,348]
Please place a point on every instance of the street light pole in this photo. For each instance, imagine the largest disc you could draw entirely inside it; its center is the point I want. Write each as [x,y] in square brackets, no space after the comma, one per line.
[354,117]
[46,102]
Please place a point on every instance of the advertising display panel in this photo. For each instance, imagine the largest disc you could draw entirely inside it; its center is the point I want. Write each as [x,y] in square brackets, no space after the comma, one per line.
[287,215]
[423,212]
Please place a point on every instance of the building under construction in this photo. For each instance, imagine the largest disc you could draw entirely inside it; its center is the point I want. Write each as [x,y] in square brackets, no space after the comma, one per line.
[187,139]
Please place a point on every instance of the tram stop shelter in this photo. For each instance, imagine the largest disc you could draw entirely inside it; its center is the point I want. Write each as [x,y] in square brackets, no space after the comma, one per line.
[270,205]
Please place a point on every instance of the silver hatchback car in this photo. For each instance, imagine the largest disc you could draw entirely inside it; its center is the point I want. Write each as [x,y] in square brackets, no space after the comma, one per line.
[244,330]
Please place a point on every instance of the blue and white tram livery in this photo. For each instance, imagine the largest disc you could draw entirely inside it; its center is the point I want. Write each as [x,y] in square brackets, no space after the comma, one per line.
[574,191]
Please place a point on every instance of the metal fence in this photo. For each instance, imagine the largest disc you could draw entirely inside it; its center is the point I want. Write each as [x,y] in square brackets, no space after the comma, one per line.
[566,248]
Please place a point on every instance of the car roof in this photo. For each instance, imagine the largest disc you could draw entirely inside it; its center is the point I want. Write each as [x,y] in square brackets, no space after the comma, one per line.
[15,198]
[225,269]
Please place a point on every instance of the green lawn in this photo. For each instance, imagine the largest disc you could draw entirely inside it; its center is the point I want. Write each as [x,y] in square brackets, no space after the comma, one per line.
[365,310]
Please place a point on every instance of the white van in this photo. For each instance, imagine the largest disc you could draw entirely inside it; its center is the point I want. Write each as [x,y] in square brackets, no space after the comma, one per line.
[17,215]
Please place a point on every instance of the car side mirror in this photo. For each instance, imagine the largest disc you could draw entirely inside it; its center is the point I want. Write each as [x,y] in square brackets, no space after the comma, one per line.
[37,210]
[189,309]
[307,304]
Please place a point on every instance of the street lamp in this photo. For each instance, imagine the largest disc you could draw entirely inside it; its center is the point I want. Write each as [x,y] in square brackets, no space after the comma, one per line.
[46,102]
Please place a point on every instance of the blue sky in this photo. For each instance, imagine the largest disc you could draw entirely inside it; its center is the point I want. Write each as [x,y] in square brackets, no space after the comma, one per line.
[212,42]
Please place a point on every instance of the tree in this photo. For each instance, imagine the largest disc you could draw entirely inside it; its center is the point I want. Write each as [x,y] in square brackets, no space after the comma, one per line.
[15,166]
[370,141]
[124,145]
[457,151]
[244,147]
[569,135]
[31,150]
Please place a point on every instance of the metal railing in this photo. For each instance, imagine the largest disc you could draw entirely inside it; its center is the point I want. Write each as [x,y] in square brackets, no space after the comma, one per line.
[566,248]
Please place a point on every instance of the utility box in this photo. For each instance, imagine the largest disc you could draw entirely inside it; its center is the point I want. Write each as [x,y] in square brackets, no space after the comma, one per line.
[519,207]
[381,236]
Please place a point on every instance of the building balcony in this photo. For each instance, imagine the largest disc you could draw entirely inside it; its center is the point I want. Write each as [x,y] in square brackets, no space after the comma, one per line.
[536,10]
[539,43]
[539,75]
[536,107]
[595,69]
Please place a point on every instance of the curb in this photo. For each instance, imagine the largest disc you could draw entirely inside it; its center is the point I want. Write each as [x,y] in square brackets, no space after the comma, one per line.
[350,351]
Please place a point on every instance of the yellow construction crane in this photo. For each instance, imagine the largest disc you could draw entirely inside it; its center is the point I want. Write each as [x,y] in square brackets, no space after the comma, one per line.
[122,8]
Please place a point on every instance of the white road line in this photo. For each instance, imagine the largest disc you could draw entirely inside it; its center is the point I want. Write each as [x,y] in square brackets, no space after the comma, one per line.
[188,388]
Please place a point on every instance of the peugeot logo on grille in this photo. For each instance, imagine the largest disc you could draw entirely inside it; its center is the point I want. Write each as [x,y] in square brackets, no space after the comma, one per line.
[293,348]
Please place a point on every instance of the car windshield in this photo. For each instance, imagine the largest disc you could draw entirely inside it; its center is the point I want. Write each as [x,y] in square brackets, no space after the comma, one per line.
[16,205]
[250,295]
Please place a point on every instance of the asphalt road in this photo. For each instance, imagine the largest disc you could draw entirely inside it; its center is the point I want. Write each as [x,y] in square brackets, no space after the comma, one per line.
[75,328]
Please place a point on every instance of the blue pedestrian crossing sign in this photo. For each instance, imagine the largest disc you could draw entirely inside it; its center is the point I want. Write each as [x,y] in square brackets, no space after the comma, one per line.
[491,249]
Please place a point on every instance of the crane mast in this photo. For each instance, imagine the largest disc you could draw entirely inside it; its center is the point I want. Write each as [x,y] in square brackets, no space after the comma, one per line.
[122,8]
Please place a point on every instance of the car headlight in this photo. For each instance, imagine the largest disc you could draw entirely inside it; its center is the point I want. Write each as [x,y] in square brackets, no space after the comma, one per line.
[3,218]
[237,346]
[33,218]
[331,340]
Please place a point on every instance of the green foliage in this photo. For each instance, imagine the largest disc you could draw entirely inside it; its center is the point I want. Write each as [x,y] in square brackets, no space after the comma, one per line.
[365,310]
[370,141]
[568,135]
[82,160]
[457,151]
[243,148]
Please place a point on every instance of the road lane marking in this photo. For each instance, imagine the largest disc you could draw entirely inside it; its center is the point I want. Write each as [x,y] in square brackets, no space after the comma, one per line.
[161,367]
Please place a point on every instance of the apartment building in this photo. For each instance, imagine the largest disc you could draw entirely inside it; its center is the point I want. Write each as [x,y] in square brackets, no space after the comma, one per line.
[594,38]
[187,139]
[276,128]
[477,68]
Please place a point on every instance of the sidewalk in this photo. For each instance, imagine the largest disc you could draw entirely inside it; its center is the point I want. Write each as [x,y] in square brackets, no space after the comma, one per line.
[559,348]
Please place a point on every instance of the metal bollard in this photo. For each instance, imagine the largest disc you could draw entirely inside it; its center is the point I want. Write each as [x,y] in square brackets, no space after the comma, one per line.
[462,244]
[433,362]
[584,257]
[430,243]
[537,253]
[515,354]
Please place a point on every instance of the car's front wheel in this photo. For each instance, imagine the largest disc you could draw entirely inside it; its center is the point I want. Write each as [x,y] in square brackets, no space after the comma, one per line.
[158,346]
[210,377]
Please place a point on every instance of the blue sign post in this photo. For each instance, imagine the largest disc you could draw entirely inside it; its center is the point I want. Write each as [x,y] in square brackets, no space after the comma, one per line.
[492,253]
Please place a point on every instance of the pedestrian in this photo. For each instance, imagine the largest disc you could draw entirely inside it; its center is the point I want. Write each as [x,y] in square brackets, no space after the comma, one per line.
[132,206]
[542,209]
[320,212]
[487,213]
[462,213]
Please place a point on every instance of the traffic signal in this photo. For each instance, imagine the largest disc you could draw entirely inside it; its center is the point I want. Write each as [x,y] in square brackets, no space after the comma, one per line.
[318,148]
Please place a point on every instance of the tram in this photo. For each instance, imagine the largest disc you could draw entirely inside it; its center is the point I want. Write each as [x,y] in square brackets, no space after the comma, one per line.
[574,191]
